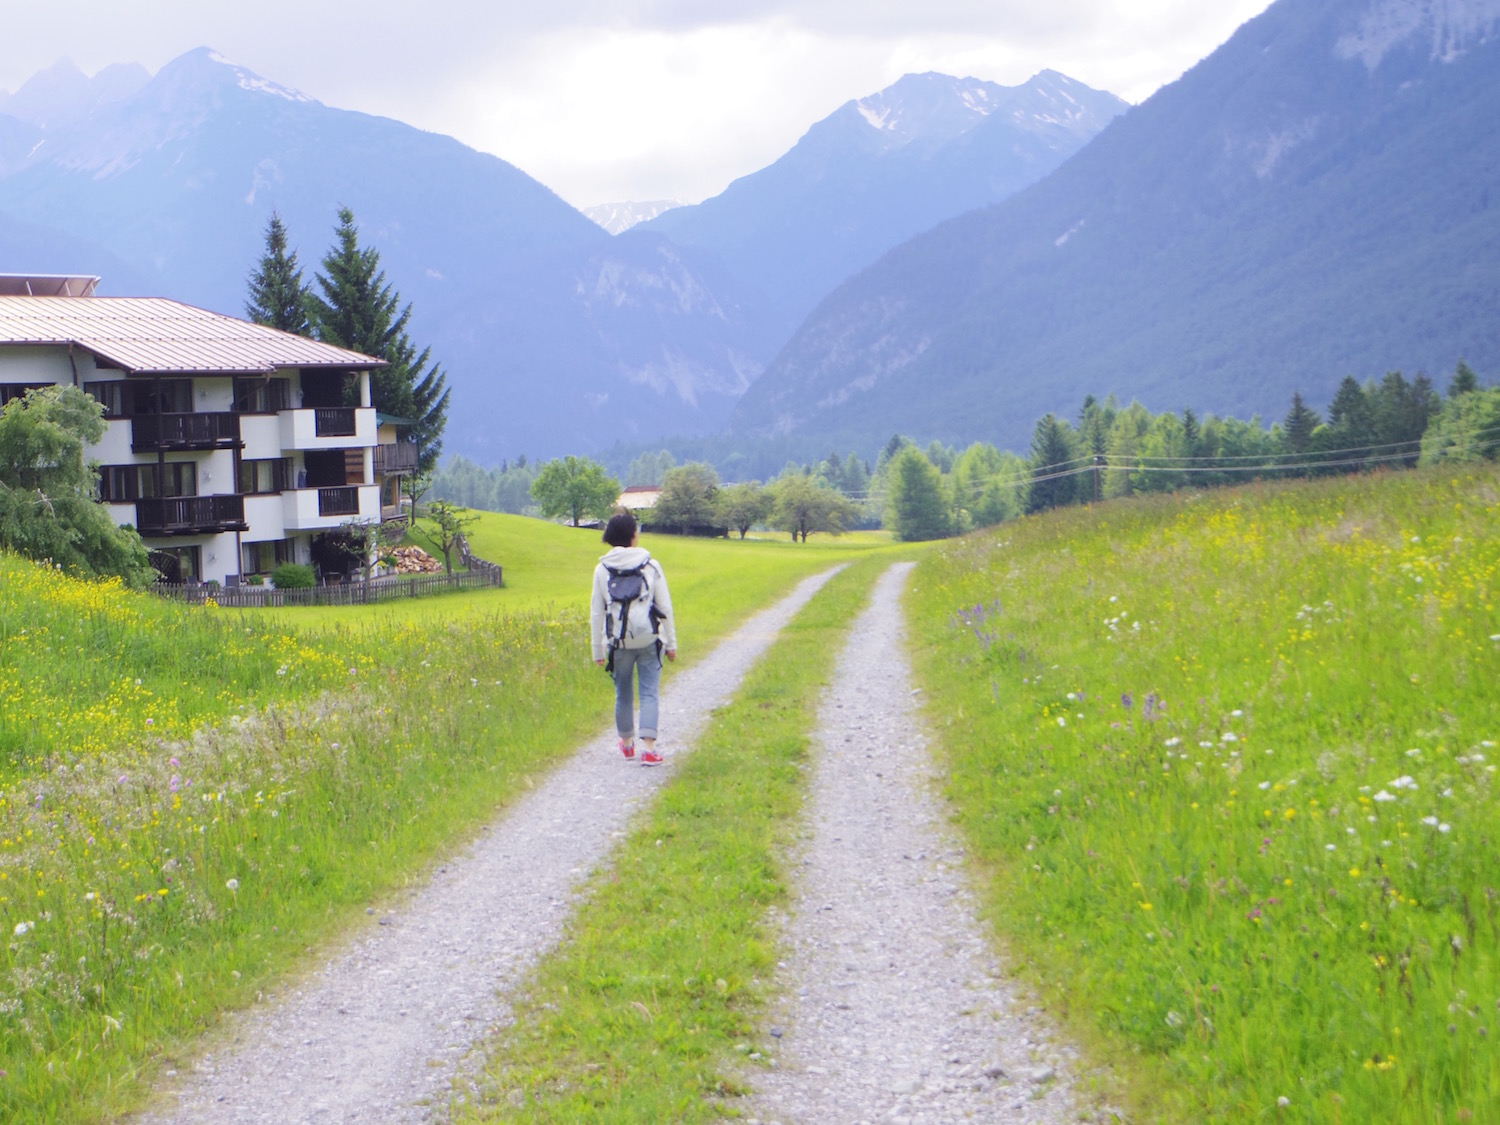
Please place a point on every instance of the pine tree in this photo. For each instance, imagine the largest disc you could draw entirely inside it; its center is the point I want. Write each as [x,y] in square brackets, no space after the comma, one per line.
[1052,453]
[278,295]
[1464,381]
[359,310]
[918,509]
[1301,420]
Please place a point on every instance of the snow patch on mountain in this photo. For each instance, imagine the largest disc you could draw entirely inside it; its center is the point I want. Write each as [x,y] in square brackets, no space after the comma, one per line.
[249,80]
[617,218]
[1451,26]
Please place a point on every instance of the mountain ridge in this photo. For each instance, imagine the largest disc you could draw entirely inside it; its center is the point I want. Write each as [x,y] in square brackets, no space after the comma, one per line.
[1264,224]
[882,168]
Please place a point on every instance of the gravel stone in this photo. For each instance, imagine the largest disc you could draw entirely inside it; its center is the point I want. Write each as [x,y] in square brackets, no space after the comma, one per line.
[895,1007]
[381,1031]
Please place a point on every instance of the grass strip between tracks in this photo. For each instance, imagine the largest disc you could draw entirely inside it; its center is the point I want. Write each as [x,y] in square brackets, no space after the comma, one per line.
[654,993]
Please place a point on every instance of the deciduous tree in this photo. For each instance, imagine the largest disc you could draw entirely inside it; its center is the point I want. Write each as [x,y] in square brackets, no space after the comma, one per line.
[743,505]
[444,523]
[689,498]
[47,505]
[575,487]
[803,506]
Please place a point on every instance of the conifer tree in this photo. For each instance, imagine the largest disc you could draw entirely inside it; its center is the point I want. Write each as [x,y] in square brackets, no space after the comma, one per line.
[1301,420]
[278,295]
[358,309]
[918,508]
[1052,453]
[1464,381]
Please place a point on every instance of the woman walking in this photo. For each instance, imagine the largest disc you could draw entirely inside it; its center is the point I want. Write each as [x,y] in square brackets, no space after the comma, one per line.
[632,625]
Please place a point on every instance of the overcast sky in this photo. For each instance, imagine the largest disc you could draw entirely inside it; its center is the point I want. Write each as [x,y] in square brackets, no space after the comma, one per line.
[641,99]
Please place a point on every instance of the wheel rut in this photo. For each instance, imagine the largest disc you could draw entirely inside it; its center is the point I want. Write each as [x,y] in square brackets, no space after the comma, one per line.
[379,1031]
[895,1008]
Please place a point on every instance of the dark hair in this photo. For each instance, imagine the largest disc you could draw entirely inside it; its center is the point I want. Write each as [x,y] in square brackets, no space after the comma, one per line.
[620,531]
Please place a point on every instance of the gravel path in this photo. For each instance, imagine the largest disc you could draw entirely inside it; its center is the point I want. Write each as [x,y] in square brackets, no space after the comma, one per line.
[377,1034]
[896,1009]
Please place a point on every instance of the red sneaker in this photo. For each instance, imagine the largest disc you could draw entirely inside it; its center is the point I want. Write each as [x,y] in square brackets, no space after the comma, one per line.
[627,747]
[650,758]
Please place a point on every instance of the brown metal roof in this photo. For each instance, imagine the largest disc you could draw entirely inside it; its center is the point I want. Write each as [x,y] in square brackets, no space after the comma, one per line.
[151,335]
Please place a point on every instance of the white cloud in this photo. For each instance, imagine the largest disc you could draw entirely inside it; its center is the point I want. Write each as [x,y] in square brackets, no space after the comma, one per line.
[668,99]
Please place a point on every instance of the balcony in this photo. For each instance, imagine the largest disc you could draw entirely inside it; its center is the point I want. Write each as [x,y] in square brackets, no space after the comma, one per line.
[333,421]
[327,427]
[152,432]
[315,509]
[190,515]
[396,460]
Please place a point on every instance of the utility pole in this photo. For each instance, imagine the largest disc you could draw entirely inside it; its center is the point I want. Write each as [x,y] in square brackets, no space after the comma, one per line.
[1098,464]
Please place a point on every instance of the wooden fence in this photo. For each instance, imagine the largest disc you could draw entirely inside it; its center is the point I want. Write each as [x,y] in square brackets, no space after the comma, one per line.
[480,575]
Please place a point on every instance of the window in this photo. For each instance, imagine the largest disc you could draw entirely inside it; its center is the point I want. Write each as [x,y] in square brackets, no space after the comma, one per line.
[124,398]
[262,396]
[112,396]
[177,564]
[121,484]
[262,558]
[271,475]
[9,391]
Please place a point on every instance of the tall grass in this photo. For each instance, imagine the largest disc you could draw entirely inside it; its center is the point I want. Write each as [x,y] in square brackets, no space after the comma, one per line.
[188,805]
[1230,758]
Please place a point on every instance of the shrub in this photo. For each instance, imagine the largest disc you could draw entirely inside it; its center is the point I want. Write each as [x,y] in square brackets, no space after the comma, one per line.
[293,576]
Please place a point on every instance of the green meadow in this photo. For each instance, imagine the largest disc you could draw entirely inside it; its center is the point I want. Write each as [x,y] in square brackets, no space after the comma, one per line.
[193,799]
[1227,764]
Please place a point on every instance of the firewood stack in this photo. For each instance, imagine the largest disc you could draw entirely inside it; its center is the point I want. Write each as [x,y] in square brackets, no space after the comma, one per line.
[414,560]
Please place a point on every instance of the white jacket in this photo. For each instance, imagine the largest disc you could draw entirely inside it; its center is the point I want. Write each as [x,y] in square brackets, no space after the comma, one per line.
[628,558]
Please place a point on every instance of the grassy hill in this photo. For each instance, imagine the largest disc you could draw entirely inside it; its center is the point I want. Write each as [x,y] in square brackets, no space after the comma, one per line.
[1227,761]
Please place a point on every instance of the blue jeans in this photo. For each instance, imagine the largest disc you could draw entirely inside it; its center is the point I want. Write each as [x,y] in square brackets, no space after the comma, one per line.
[648,662]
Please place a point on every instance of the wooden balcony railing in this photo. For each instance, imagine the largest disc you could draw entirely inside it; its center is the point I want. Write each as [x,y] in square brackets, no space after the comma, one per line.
[393,460]
[190,515]
[338,501]
[334,421]
[150,432]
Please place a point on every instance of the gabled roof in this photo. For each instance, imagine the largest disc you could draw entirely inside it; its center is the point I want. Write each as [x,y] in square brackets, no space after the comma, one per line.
[154,336]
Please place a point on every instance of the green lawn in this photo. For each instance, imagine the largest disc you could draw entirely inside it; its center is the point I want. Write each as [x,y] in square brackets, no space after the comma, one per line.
[714,581]
[1228,762]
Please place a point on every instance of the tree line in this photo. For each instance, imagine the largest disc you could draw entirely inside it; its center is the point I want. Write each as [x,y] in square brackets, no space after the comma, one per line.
[1113,451]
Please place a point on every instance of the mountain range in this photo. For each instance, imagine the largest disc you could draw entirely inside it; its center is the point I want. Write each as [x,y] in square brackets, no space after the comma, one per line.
[557,337]
[1319,197]
[883,168]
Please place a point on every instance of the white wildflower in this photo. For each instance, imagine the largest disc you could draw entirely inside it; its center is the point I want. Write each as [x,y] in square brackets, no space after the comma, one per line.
[233,884]
[1330,847]
[1061,721]
[1236,713]
[1445,828]
[1265,785]
[1173,742]
[1405,781]
[1384,796]
[1229,736]
[1430,821]
[22,927]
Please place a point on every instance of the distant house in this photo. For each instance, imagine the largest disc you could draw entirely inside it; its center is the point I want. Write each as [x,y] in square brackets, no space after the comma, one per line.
[230,447]
[639,498]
